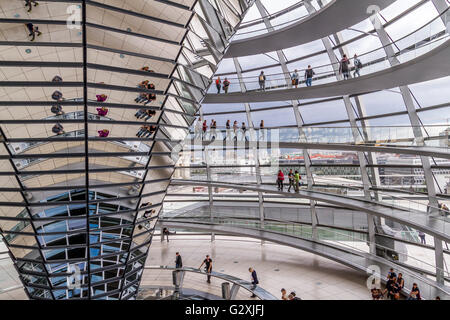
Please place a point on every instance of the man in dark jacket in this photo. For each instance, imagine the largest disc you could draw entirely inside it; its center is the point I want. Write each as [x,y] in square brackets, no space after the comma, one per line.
[255,281]
[178,261]
[344,67]
[309,73]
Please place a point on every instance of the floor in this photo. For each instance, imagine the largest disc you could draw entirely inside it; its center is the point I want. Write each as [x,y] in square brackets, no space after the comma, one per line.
[310,276]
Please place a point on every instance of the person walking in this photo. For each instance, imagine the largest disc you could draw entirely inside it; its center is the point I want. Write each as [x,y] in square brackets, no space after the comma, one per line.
[262,81]
[28,4]
[309,73]
[297,181]
[422,237]
[226,85]
[218,85]
[244,131]
[255,281]
[227,130]
[166,233]
[208,267]
[212,130]
[344,67]
[262,131]
[295,78]
[204,128]
[291,180]
[178,261]
[358,66]
[235,129]
[280,180]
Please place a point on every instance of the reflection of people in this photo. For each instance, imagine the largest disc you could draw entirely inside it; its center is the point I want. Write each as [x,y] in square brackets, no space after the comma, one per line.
[102,112]
[103,133]
[33,30]
[28,4]
[58,129]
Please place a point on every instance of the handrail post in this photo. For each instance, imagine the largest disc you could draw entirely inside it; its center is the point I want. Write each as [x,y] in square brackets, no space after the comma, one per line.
[226,293]
[178,278]
[234,291]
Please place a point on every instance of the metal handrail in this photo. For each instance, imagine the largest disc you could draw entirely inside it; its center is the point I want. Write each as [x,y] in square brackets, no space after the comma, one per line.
[443,14]
[258,291]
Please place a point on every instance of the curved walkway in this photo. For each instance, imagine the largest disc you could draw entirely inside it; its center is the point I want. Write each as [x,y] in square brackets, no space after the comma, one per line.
[432,65]
[258,291]
[439,228]
[443,153]
[335,16]
[348,257]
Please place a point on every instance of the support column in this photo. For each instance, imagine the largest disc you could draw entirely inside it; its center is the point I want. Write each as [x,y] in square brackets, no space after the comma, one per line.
[210,190]
[295,104]
[419,139]
[355,132]
[253,146]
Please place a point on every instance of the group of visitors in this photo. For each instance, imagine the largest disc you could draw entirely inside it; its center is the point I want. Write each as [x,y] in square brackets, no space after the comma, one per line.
[394,286]
[225,85]
[344,70]
[143,96]
[102,112]
[57,108]
[145,131]
[294,180]
[231,131]
[291,296]
[146,215]
[145,114]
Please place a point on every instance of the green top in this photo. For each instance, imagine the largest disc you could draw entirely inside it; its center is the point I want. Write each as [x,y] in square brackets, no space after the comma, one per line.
[297,177]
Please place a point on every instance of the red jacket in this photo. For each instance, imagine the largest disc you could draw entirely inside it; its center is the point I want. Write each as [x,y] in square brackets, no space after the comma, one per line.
[281,176]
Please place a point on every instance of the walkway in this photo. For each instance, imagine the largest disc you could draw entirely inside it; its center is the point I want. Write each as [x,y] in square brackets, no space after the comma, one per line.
[435,226]
[336,16]
[311,276]
[432,65]
[347,257]
[261,144]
